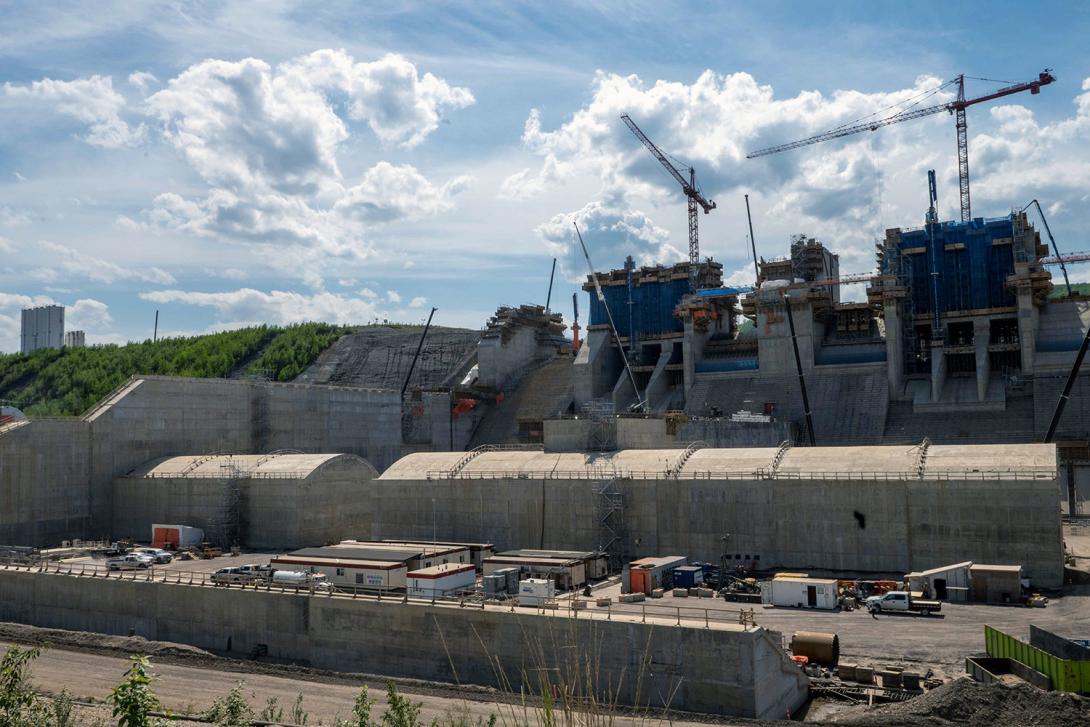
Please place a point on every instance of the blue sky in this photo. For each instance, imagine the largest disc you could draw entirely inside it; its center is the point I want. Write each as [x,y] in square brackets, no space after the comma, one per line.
[237,163]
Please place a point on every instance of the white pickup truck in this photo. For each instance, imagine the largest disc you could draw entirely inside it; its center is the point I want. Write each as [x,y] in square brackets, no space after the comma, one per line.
[902,601]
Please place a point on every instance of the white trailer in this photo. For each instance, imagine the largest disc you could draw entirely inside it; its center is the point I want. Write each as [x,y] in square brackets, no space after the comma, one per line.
[441,580]
[800,592]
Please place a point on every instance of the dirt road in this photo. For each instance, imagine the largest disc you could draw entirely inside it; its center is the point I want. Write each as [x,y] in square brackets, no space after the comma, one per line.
[188,689]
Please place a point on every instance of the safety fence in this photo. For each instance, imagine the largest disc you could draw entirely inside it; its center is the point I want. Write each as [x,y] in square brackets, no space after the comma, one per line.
[566,606]
[598,473]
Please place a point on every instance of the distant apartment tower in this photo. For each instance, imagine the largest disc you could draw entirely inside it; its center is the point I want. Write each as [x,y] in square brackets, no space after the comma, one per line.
[42,328]
[74,339]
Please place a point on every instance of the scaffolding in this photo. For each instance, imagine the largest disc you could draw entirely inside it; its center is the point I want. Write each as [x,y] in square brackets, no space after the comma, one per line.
[232,525]
[609,511]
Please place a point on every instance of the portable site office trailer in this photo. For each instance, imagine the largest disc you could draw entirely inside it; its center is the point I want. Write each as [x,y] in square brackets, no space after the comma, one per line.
[441,580]
[800,592]
[566,573]
[477,550]
[596,563]
[414,555]
[346,572]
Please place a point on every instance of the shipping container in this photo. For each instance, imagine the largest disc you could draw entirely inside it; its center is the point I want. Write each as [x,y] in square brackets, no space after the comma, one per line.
[688,576]
[173,537]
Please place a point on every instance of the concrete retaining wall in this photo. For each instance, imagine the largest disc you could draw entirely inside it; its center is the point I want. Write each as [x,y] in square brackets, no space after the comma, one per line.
[56,475]
[881,526]
[718,670]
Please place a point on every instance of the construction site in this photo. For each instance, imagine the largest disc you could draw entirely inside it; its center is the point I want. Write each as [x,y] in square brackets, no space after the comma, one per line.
[815,494]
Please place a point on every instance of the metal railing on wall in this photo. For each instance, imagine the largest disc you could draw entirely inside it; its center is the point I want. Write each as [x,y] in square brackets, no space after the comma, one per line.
[563,607]
[759,474]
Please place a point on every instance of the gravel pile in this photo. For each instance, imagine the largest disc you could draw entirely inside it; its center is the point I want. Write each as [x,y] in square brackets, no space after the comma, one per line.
[81,639]
[967,702]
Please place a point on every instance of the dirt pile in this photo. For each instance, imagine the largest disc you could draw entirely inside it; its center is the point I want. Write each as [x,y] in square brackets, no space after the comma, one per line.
[967,702]
[83,640]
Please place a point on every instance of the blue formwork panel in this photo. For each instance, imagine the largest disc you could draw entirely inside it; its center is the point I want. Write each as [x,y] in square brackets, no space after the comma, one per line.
[652,309]
[972,270]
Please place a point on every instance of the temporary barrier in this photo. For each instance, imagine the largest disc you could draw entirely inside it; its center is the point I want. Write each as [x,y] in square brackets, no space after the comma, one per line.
[1066,675]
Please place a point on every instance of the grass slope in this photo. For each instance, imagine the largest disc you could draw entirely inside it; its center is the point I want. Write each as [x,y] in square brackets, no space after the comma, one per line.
[69,381]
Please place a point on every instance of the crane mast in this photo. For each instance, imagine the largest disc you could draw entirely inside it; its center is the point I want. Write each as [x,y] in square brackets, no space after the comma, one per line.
[956,107]
[695,199]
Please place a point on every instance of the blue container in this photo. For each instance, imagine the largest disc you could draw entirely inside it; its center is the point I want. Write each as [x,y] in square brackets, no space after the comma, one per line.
[688,576]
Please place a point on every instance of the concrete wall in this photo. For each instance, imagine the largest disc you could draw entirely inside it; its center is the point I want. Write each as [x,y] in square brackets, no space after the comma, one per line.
[56,475]
[327,506]
[890,527]
[43,482]
[719,670]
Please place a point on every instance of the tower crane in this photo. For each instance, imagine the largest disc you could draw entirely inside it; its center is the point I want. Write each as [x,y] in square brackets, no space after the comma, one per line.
[956,107]
[688,186]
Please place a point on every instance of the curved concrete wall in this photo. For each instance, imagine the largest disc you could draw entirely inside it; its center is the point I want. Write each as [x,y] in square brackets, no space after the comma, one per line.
[859,525]
[273,513]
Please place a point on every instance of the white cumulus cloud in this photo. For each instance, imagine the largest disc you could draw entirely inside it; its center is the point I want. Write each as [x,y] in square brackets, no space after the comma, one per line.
[247,306]
[92,101]
[66,262]
[612,230]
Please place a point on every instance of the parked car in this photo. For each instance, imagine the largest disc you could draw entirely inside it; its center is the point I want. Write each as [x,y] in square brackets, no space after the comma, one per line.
[131,561]
[157,554]
[231,575]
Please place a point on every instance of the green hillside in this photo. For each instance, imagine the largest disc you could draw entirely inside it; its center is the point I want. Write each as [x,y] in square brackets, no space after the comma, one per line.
[1059,290]
[69,381]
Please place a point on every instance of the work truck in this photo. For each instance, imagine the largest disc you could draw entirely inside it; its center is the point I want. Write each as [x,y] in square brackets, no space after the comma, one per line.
[902,601]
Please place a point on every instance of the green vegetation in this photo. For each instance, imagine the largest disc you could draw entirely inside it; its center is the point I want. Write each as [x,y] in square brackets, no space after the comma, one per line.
[294,349]
[1059,290]
[69,381]
[133,700]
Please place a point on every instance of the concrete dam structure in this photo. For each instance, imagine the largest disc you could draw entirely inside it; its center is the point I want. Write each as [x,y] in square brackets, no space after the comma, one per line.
[844,509]
[57,475]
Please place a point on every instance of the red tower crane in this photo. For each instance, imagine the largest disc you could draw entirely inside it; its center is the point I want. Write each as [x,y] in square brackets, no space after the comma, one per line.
[956,107]
[688,186]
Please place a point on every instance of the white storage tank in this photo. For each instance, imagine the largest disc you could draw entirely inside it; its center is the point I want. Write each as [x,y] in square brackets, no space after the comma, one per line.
[441,580]
[536,591]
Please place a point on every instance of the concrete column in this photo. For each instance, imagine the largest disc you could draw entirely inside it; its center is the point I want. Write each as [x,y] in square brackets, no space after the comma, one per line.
[938,370]
[982,335]
[895,355]
[692,349]
[1027,327]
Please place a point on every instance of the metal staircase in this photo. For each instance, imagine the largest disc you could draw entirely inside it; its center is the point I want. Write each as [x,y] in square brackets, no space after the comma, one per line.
[609,508]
